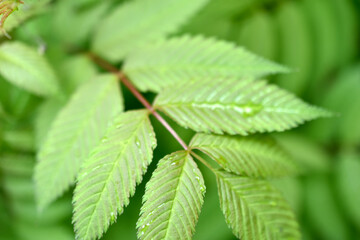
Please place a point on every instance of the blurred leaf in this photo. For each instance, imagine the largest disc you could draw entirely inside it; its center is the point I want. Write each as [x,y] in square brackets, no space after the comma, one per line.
[140,22]
[26,211]
[18,188]
[291,189]
[348,182]
[26,68]
[31,232]
[258,34]
[116,165]
[342,97]
[296,46]
[326,40]
[170,62]
[347,27]
[76,130]
[22,140]
[76,71]
[3,114]
[322,211]
[46,114]
[250,207]
[310,155]
[234,106]
[74,21]
[17,164]
[172,200]
[250,156]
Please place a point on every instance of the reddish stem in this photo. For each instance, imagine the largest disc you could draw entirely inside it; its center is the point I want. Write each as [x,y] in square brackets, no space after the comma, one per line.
[106,65]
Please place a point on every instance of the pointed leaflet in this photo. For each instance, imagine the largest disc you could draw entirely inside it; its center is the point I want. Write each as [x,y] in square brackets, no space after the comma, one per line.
[172,200]
[26,68]
[170,62]
[250,156]
[109,177]
[254,209]
[78,127]
[137,22]
[234,106]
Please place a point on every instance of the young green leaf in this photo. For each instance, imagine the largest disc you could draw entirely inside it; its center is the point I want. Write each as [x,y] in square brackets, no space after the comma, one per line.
[134,23]
[170,62]
[173,199]
[254,209]
[234,106]
[109,177]
[250,156]
[76,130]
[26,68]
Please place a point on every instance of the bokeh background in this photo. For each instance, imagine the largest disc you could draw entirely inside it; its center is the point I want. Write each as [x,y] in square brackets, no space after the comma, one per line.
[318,39]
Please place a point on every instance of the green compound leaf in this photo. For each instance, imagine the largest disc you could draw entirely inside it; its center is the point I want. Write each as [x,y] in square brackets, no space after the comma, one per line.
[250,156]
[109,177]
[137,22]
[173,199]
[26,68]
[254,209]
[170,62]
[77,129]
[234,106]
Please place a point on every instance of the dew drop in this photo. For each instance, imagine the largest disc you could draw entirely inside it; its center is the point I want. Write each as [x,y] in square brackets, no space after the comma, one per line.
[202,189]
[273,203]
[112,217]
[137,142]
[144,228]
[250,109]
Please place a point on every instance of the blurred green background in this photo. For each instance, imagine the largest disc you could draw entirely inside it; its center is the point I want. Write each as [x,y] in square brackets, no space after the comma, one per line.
[319,39]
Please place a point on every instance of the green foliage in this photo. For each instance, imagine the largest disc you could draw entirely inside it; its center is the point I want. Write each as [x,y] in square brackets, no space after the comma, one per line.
[75,71]
[321,209]
[294,30]
[155,18]
[47,112]
[72,136]
[261,26]
[29,9]
[234,106]
[109,176]
[308,154]
[348,181]
[251,206]
[77,19]
[64,126]
[172,200]
[26,68]
[250,156]
[183,59]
